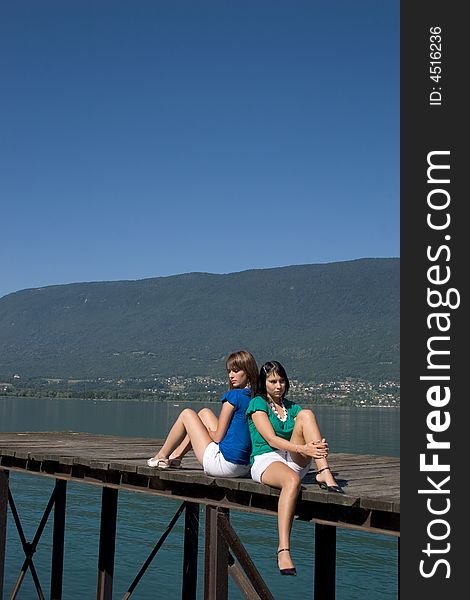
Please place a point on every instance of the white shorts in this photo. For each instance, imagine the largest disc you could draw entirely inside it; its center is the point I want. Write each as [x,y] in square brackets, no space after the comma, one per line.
[215,464]
[262,462]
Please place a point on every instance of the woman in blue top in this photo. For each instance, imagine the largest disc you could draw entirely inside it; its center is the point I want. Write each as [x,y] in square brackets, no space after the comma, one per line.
[221,444]
[285,438]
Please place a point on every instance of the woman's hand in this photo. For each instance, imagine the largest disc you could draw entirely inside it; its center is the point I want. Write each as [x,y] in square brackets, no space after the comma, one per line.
[318,449]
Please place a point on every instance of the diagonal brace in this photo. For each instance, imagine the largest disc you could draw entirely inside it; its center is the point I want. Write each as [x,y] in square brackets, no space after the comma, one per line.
[157,547]
[259,588]
[29,548]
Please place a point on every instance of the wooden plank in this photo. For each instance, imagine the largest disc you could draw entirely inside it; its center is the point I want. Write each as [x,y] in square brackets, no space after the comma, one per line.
[371,483]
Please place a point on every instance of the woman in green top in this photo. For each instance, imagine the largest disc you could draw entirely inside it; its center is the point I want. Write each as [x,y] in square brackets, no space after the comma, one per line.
[285,438]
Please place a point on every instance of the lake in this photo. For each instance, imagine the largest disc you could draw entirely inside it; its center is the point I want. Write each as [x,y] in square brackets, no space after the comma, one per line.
[367,564]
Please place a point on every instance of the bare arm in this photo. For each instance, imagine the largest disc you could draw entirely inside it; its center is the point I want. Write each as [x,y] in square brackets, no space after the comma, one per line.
[264,427]
[224,421]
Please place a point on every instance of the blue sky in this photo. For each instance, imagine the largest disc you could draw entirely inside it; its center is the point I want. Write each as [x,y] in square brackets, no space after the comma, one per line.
[150,138]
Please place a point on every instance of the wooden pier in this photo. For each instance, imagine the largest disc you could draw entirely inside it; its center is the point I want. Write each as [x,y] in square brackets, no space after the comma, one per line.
[371,503]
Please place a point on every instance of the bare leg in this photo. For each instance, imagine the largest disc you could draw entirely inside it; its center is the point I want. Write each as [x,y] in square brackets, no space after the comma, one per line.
[306,430]
[210,421]
[188,423]
[280,476]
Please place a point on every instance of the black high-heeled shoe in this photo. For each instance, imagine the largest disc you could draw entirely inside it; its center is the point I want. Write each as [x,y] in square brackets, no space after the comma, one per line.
[329,488]
[290,570]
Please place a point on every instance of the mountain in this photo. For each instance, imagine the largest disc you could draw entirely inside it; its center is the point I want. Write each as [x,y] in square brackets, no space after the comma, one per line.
[322,321]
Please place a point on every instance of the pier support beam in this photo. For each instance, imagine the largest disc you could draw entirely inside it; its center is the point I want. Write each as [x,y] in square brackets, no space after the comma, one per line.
[191,537]
[109,503]
[216,556]
[58,536]
[3,524]
[398,575]
[325,562]
[245,574]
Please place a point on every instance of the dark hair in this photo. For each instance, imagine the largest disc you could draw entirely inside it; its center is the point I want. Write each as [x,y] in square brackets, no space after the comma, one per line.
[269,367]
[243,361]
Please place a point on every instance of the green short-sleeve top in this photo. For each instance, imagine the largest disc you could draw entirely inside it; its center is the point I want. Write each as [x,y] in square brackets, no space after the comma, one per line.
[282,429]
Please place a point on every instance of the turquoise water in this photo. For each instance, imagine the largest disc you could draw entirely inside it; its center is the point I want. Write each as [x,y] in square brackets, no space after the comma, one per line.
[366,563]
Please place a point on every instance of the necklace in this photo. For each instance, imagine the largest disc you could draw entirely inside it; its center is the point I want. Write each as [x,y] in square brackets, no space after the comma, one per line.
[273,407]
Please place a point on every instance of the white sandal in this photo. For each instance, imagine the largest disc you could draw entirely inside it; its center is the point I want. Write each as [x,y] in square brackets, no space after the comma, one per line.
[159,463]
[164,463]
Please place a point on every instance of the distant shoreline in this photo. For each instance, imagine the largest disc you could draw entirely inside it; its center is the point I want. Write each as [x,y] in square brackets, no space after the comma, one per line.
[176,402]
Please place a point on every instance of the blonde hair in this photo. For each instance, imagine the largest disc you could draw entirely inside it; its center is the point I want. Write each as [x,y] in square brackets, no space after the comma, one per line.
[244,361]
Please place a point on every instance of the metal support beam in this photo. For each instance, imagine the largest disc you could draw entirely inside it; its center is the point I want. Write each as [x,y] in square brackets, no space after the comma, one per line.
[241,581]
[248,578]
[191,537]
[29,548]
[58,537]
[216,556]
[109,502]
[325,562]
[3,524]
[157,547]
[398,557]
